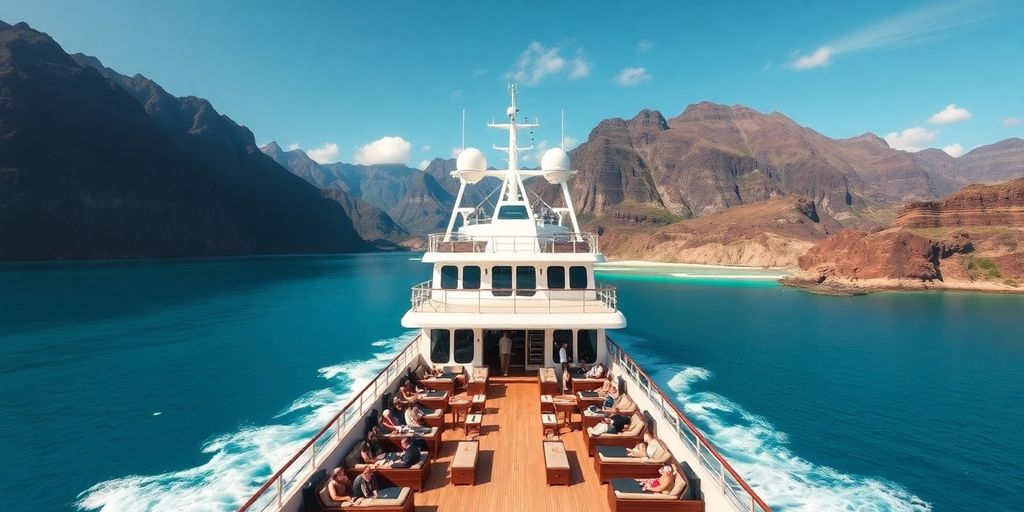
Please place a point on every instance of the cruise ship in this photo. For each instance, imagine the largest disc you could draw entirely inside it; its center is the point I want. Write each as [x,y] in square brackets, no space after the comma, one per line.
[522,399]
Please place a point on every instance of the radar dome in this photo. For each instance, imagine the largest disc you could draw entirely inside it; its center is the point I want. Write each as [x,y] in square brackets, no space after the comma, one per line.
[556,166]
[470,165]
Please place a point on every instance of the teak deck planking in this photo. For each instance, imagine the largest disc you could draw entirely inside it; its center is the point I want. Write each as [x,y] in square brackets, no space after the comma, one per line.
[510,466]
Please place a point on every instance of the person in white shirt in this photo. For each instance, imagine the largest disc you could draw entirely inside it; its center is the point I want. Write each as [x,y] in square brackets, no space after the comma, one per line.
[505,351]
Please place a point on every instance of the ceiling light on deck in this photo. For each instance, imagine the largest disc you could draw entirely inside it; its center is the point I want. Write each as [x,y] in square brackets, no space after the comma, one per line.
[470,166]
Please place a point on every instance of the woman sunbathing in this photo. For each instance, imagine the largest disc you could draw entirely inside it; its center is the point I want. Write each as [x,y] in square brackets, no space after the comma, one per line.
[662,483]
[644,449]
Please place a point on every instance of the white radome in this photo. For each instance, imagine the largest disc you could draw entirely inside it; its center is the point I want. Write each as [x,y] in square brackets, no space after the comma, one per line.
[470,165]
[556,166]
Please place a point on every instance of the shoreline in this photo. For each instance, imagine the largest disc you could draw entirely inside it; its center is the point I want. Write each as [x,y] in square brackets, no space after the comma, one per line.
[848,288]
[645,263]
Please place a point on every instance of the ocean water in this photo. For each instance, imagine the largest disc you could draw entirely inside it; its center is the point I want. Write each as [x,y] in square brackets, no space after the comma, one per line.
[168,385]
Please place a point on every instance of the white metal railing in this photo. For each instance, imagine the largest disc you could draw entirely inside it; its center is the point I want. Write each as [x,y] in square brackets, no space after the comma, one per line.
[603,299]
[294,472]
[567,243]
[731,483]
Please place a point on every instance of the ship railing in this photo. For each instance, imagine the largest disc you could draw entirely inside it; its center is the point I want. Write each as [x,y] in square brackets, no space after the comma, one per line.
[603,299]
[274,493]
[731,484]
[567,243]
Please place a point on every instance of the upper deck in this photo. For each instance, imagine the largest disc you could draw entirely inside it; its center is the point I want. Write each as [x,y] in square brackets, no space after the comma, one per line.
[456,247]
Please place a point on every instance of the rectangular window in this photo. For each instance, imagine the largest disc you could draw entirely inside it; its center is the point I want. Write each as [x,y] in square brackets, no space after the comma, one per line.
[526,281]
[501,281]
[586,345]
[513,212]
[471,277]
[463,346]
[449,277]
[440,346]
[578,278]
[557,338]
[556,278]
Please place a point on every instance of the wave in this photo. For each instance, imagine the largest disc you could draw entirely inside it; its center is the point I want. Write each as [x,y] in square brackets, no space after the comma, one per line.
[782,478]
[241,461]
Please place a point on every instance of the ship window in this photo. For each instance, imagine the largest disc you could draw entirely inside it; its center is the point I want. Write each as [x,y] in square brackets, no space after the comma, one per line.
[449,277]
[557,338]
[463,346]
[586,345]
[578,278]
[440,346]
[513,212]
[556,278]
[501,281]
[471,277]
[526,281]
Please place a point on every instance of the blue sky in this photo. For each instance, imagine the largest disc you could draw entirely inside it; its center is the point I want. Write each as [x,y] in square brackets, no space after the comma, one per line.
[339,75]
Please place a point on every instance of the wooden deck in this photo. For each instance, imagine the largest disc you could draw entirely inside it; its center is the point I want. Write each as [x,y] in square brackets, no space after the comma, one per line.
[510,468]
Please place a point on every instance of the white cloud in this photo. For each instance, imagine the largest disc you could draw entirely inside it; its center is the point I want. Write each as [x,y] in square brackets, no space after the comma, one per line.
[293,146]
[925,24]
[455,152]
[325,154]
[385,150]
[569,142]
[644,46]
[954,150]
[1011,121]
[911,139]
[950,114]
[538,62]
[821,57]
[423,164]
[632,76]
[425,148]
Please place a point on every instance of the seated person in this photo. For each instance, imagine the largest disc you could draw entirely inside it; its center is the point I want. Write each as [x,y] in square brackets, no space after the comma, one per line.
[644,449]
[566,380]
[388,424]
[398,407]
[409,391]
[596,371]
[410,456]
[613,424]
[365,484]
[371,451]
[608,388]
[340,489]
[414,417]
[662,483]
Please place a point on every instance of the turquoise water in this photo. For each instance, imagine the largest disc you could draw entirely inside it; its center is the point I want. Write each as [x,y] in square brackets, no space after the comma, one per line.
[166,385]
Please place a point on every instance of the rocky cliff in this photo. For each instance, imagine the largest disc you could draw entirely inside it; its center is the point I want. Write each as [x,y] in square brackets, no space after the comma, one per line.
[92,166]
[974,239]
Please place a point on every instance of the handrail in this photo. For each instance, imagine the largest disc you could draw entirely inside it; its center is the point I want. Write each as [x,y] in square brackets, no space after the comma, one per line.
[561,243]
[278,476]
[755,499]
[556,299]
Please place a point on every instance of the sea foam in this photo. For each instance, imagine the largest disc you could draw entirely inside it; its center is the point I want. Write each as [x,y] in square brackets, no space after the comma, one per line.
[786,481]
[241,461]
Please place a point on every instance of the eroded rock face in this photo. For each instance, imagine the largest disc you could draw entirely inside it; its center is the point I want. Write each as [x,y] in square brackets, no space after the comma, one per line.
[974,205]
[892,254]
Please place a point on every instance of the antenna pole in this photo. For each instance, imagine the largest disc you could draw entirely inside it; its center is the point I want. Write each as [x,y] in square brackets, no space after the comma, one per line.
[463,129]
[561,142]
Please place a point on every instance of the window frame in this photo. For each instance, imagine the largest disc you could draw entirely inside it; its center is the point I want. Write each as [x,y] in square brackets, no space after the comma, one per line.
[501,291]
[523,291]
[435,343]
[455,345]
[579,343]
[466,283]
[446,280]
[586,277]
[560,272]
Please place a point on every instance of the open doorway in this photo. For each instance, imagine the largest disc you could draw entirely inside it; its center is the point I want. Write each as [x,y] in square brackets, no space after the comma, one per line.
[517,364]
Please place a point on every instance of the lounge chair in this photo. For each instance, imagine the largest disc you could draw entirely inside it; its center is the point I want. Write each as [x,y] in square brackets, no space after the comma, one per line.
[685,495]
[628,437]
[548,381]
[477,384]
[414,477]
[315,496]
[393,441]
[612,462]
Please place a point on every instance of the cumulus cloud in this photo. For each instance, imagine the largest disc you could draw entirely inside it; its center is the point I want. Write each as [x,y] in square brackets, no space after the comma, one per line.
[632,76]
[911,139]
[569,142]
[539,62]
[925,24]
[950,114]
[954,150]
[385,150]
[1011,121]
[325,154]
[423,164]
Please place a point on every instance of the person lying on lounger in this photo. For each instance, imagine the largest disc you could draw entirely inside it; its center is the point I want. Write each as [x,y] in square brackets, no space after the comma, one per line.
[662,483]
[644,449]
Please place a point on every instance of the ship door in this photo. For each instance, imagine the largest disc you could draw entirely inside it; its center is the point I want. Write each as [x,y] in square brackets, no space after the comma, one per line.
[518,360]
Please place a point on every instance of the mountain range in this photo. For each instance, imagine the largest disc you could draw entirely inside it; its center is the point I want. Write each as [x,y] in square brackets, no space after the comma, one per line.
[94,164]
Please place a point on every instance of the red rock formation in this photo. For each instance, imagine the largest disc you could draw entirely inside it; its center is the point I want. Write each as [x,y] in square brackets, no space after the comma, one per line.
[890,254]
[974,205]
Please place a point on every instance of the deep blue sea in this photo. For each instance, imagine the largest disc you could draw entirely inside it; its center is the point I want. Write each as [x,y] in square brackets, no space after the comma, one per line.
[167,385]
